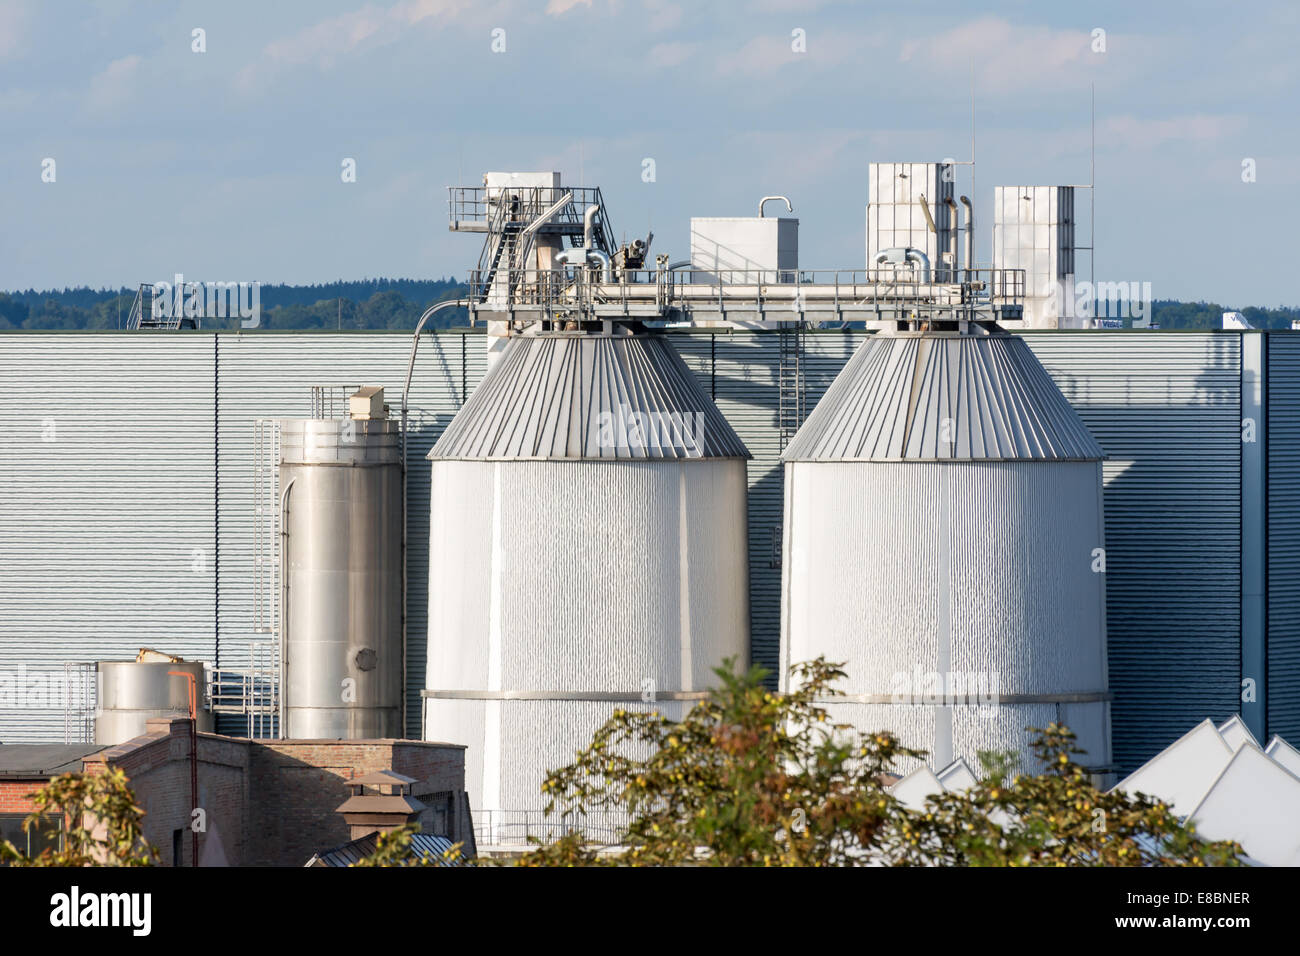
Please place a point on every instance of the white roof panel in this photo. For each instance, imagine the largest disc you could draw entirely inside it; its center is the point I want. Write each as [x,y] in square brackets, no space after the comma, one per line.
[912,790]
[1182,773]
[957,776]
[1236,734]
[1254,801]
[1283,753]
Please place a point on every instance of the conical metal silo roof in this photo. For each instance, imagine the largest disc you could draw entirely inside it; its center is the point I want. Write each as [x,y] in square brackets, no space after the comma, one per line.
[943,397]
[589,397]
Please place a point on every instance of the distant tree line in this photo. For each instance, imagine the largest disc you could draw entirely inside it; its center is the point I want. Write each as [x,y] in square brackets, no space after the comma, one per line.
[1171,314]
[363,304]
[398,304]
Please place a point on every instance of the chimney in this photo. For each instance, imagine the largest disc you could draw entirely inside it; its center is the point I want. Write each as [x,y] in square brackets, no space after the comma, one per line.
[380,802]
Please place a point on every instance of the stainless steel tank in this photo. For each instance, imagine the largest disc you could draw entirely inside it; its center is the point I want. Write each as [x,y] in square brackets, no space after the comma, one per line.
[341,500]
[130,692]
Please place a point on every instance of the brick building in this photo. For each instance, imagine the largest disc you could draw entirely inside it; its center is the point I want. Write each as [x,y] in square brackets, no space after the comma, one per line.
[264,802]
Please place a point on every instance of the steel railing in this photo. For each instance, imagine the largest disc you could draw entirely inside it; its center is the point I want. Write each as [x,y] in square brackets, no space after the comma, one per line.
[759,289]
[520,827]
[494,207]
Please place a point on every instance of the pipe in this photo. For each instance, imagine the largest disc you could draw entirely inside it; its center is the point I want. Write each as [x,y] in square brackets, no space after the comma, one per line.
[527,234]
[607,272]
[952,236]
[548,215]
[766,199]
[901,254]
[588,218]
[284,602]
[970,236]
[406,391]
[586,256]
[194,764]
[929,219]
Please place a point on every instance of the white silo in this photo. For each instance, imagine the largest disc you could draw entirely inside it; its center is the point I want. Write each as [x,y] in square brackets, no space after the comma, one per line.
[588,551]
[943,536]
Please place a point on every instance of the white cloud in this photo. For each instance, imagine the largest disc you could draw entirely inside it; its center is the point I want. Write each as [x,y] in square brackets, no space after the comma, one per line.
[323,44]
[661,15]
[763,54]
[1135,133]
[664,55]
[13,27]
[1010,57]
[557,8]
[114,86]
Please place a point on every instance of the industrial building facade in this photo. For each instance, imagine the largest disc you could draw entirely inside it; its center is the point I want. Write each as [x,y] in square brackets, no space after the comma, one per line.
[128,509]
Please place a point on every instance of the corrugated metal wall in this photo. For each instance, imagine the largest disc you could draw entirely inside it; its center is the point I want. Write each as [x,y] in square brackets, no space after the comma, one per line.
[106,510]
[270,376]
[1166,409]
[99,529]
[1283,437]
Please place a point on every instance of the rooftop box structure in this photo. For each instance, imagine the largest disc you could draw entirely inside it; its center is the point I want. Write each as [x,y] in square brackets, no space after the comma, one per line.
[1033,229]
[896,216]
[745,248]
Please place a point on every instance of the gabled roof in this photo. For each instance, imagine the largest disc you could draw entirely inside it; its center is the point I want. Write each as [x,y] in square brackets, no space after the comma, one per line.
[589,397]
[943,397]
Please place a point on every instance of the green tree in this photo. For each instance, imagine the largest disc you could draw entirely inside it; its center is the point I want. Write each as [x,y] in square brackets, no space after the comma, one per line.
[104,824]
[752,777]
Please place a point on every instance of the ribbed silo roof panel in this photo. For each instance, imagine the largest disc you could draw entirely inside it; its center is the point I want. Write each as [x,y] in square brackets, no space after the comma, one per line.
[587,397]
[935,397]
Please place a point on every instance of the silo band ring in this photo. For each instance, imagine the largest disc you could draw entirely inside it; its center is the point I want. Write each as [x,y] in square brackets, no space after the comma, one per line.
[1090,697]
[613,696]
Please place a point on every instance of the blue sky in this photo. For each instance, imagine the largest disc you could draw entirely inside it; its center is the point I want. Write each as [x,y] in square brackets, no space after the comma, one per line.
[225,165]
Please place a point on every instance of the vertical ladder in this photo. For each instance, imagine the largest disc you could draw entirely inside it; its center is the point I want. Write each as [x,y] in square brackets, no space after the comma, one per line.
[79,701]
[261,686]
[790,381]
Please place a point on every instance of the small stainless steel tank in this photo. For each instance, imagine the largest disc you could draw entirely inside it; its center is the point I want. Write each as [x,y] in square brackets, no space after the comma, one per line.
[341,490]
[130,692]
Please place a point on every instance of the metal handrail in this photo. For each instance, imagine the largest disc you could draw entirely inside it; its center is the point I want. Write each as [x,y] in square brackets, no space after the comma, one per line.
[555,288]
[507,827]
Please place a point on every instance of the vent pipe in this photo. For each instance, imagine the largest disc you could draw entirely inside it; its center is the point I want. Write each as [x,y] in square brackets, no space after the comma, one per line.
[588,218]
[952,237]
[970,236]
[766,199]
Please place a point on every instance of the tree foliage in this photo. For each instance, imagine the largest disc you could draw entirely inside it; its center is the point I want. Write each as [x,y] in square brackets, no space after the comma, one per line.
[104,824]
[363,304]
[752,777]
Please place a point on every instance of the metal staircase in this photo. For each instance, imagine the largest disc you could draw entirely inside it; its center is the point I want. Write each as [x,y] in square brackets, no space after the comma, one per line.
[142,317]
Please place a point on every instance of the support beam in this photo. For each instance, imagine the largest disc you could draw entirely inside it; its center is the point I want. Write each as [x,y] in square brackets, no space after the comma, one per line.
[1254,533]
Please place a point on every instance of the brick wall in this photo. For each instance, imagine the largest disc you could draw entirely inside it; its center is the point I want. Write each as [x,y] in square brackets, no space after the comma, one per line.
[13,795]
[265,802]
[158,766]
[297,786]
